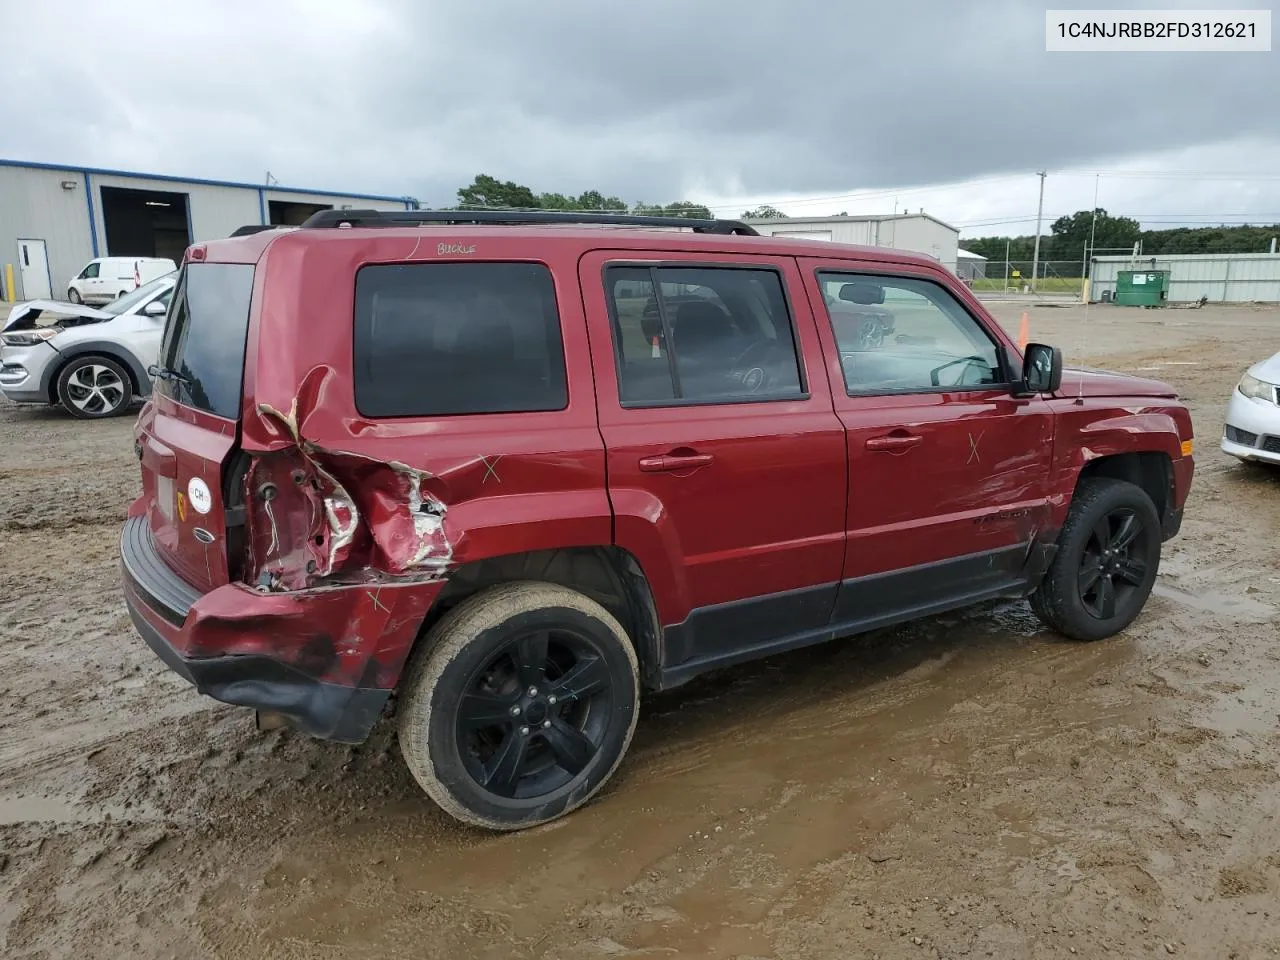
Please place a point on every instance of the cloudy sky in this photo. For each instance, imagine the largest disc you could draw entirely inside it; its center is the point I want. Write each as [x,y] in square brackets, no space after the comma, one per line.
[818,106]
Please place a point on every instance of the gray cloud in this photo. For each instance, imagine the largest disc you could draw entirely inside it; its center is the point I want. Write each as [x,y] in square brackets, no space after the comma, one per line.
[646,101]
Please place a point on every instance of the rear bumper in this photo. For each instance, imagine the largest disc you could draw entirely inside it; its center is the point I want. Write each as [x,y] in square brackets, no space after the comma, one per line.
[326,660]
[326,710]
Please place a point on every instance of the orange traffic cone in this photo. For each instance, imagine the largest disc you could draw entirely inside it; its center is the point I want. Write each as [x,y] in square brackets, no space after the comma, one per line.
[1023,333]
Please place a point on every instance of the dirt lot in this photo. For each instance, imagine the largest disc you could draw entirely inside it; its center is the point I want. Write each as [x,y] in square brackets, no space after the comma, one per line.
[971,786]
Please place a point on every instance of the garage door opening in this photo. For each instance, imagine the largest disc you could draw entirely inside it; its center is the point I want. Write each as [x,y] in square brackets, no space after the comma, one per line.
[284,214]
[145,223]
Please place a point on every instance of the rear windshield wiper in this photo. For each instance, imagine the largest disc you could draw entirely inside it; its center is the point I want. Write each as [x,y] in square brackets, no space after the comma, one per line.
[164,373]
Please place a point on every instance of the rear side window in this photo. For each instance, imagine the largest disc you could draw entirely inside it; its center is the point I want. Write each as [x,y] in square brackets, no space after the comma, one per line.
[440,339]
[702,335]
[204,340]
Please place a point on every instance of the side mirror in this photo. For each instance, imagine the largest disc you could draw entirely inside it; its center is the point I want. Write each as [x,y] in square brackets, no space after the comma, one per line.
[1041,369]
[155,309]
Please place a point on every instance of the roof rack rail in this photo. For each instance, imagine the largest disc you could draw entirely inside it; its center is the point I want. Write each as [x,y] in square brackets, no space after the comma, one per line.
[402,218]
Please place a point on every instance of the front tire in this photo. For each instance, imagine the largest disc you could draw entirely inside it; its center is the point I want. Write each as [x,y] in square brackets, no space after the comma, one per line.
[92,388]
[521,705]
[73,296]
[1107,560]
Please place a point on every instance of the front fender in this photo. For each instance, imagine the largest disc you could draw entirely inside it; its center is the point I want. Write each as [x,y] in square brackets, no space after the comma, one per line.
[101,348]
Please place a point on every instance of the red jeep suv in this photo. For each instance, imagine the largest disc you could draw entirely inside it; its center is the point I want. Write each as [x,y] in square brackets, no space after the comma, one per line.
[517,467]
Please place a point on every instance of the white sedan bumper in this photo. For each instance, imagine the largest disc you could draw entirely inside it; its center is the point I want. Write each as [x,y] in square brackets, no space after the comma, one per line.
[1252,429]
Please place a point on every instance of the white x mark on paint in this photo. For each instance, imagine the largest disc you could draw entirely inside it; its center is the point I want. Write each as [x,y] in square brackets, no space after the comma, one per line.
[973,447]
[489,470]
[377,603]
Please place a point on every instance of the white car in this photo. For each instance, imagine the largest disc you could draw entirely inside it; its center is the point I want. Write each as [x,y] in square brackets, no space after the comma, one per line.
[92,361]
[1253,416]
[109,278]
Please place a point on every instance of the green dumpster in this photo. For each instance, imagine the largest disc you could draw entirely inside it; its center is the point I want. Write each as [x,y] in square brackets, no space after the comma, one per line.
[1142,288]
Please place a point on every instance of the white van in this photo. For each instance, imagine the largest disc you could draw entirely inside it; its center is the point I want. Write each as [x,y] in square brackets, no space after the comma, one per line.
[108,278]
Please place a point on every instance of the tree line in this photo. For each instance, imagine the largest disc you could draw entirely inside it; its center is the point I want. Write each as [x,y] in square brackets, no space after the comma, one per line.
[1065,245]
[489,192]
[486,191]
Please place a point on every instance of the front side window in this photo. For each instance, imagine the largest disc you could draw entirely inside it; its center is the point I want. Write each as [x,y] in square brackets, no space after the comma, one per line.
[903,335]
[701,335]
[441,339]
[91,271]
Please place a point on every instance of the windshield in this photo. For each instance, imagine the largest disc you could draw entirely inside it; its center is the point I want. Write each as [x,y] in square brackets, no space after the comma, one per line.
[141,295]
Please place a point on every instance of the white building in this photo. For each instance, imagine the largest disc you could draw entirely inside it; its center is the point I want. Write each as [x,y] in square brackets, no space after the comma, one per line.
[55,219]
[969,265]
[918,232]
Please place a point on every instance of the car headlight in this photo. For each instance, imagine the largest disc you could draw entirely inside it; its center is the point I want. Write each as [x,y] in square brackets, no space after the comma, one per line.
[1258,389]
[29,338]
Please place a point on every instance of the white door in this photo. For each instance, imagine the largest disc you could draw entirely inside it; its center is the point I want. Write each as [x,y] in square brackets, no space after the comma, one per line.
[33,261]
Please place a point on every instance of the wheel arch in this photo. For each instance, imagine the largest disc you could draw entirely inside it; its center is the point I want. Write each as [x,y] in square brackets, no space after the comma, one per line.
[1150,470]
[609,575]
[139,379]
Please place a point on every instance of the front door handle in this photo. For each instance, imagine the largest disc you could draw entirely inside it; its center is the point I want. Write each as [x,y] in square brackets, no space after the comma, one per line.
[893,443]
[675,461]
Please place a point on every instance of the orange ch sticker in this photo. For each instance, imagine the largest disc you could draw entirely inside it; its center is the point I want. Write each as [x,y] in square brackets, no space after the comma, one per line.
[182,506]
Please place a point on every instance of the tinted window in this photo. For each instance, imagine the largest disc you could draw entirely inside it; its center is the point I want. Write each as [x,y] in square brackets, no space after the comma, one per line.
[204,337]
[898,334]
[91,271]
[434,339]
[702,334]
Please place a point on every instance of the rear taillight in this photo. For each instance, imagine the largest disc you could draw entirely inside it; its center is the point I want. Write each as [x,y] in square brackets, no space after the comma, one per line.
[299,522]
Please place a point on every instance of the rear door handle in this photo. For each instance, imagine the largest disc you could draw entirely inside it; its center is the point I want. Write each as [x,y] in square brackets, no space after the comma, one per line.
[900,443]
[675,461]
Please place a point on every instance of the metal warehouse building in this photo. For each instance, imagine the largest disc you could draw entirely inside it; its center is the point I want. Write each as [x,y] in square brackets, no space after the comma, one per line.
[917,232]
[55,219]
[1222,278]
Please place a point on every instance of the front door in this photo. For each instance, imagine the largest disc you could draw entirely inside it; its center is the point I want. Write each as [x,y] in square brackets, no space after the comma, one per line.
[33,261]
[726,461]
[948,471]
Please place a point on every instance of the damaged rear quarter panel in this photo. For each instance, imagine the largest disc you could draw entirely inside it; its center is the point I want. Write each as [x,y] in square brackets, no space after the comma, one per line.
[397,502]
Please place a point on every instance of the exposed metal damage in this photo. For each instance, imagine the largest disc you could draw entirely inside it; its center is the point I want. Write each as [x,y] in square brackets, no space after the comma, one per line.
[349,518]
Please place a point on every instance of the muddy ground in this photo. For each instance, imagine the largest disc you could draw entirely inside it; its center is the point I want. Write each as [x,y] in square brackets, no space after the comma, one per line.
[970,786]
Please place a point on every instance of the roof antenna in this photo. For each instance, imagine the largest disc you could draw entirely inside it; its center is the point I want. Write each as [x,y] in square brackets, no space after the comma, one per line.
[1084,288]
[270,179]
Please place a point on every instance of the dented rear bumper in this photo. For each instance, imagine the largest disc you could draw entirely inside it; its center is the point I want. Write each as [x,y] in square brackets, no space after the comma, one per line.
[326,659]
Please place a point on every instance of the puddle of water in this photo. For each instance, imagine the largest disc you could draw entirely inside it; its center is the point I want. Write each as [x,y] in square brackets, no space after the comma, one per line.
[1225,605]
[60,810]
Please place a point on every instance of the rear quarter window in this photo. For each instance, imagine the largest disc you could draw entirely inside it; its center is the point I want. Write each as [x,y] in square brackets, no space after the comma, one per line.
[441,339]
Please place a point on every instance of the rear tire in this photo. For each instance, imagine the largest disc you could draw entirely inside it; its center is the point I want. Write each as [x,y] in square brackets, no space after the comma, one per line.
[1107,560]
[520,705]
[94,387]
[73,296]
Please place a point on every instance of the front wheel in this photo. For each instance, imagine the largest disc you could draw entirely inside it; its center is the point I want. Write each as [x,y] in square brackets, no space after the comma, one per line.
[521,706]
[94,387]
[73,295]
[1106,564]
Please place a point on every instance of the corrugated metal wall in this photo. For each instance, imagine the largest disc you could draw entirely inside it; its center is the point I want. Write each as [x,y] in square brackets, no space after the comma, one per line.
[35,206]
[909,232]
[1230,278]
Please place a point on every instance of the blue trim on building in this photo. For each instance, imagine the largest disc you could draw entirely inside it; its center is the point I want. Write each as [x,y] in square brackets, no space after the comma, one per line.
[167,178]
[262,206]
[93,221]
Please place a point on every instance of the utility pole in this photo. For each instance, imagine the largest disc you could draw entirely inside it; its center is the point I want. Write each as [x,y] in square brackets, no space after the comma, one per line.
[1035,256]
[1006,266]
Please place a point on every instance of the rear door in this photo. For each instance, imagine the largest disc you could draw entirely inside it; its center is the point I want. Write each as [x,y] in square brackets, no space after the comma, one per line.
[948,471]
[188,432]
[726,462]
